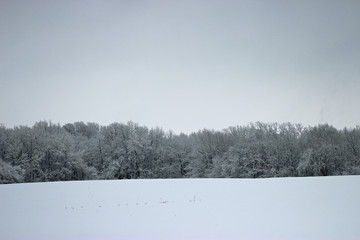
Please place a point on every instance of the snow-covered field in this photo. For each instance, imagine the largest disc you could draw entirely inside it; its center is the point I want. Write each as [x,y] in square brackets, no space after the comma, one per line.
[282,208]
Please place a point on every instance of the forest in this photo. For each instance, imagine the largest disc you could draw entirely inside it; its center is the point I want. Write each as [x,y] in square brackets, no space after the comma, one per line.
[88,151]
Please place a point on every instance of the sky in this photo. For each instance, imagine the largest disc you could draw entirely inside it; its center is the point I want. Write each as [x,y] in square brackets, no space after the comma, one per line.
[180,65]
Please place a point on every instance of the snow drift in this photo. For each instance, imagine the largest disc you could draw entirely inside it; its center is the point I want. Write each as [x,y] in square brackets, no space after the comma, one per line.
[278,208]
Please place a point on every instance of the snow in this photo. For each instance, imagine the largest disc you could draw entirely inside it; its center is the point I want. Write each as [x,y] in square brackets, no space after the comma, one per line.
[277,208]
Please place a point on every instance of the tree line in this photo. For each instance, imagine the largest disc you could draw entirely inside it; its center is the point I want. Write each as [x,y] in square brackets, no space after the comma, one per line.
[84,151]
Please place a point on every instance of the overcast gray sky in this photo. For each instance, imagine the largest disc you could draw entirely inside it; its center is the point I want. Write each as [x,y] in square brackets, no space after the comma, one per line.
[180,65]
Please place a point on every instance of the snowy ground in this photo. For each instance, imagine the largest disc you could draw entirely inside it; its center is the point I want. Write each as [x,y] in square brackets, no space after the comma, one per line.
[283,208]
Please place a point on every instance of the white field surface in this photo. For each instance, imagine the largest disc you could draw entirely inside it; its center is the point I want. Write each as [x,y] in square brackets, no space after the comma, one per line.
[278,208]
